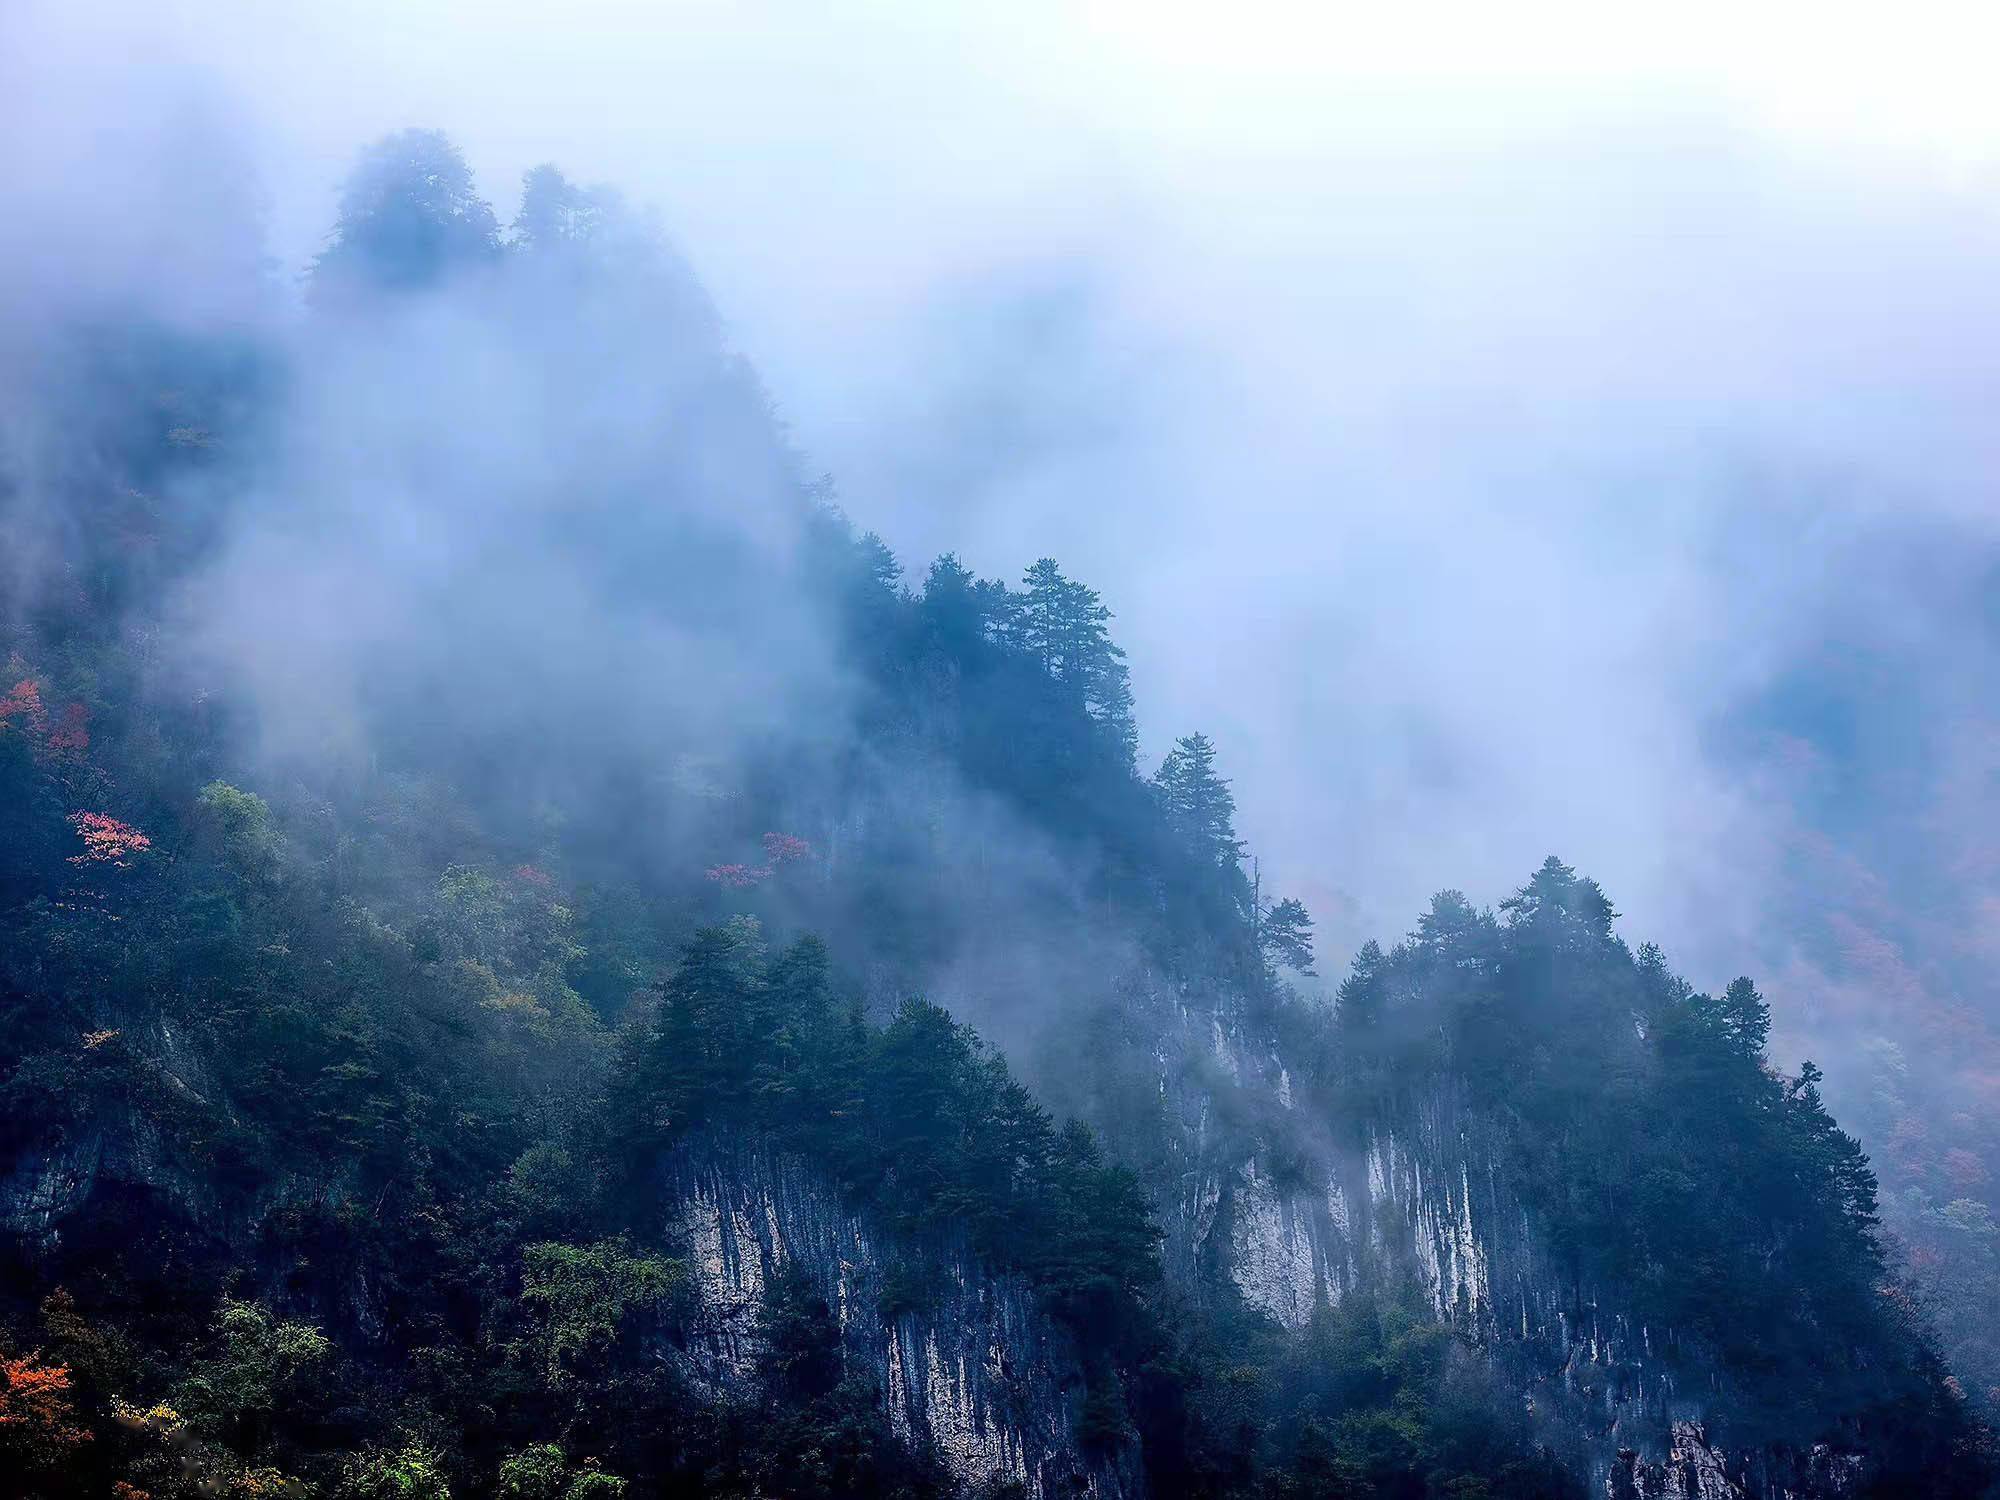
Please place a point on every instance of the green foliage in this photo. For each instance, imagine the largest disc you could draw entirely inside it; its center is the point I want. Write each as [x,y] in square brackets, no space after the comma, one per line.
[1285,932]
[541,1472]
[595,1484]
[343,1052]
[583,1295]
[409,216]
[256,1365]
[1661,1154]
[534,1473]
[802,1352]
[410,1472]
[547,1185]
[908,1286]
[236,827]
[917,1117]
[1197,802]
[1063,627]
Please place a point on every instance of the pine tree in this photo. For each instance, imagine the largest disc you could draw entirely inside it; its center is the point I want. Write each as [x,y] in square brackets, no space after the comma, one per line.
[408,217]
[1284,933]
[1197,802]
[1111,705]
[1746,1016]
[1044,629]
[791,1018]
[1362,993]
[1559,908]
[1063,625]
[1835,1153]
[710,1013]
[1454,934]
[963,612]
[555,212]
[1659,986]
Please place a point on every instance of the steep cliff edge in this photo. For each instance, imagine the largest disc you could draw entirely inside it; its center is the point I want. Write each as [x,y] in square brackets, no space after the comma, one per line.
[968,1363]
[1291,1207]
[1420,1196]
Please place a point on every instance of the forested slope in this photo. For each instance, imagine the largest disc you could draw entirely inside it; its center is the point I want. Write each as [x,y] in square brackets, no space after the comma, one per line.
[498,888]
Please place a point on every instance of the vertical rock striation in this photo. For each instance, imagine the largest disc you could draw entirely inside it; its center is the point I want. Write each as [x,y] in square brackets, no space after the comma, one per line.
[1419,1193]
[974,1368]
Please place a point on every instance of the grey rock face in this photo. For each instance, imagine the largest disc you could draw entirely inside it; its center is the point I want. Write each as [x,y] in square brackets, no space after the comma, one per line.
[976,1370]
[1420,1194]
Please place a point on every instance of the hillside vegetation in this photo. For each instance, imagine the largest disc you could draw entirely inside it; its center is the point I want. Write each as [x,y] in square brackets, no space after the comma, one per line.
[450,756]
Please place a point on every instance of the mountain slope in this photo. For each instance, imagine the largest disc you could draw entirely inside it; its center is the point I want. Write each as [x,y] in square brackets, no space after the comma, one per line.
[476,820]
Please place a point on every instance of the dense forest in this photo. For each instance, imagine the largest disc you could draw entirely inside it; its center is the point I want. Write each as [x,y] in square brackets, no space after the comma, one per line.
[454,759]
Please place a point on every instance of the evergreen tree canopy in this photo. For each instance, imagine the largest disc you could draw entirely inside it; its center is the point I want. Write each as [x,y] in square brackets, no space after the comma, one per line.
[1197,802]
[1285,931]
[408,217]
[1064,626]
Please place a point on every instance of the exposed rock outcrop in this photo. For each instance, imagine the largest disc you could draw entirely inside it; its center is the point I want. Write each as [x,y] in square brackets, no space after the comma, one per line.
[1419,1193]
[974,1368]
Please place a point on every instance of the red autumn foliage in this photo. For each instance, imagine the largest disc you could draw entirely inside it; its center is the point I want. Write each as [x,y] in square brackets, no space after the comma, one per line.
[779,849]
[783,849]
[1963,1169]
[533,875]
[67,738]
[71,736]
[24,703]
[37,1415]
[1908,1145]
[106,841]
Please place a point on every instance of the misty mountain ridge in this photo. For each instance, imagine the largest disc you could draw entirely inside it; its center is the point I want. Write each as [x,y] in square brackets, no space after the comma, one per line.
[538,963]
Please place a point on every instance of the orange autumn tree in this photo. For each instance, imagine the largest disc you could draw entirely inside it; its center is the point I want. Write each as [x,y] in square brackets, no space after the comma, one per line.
[70,735]
[23,707]
[22,704]
[38,1426]
[106,841]
[780,849]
